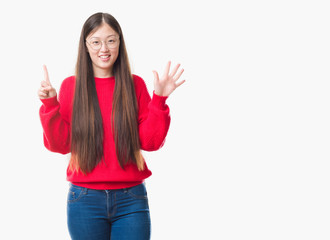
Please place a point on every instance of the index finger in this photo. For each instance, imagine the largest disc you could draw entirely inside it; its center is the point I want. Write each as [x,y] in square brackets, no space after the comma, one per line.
[46,77]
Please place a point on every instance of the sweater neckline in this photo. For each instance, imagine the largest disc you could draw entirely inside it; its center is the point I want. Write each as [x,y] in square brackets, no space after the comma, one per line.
[106,79]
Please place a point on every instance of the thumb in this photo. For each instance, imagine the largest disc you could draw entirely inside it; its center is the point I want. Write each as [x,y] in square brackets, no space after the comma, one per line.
[46,77]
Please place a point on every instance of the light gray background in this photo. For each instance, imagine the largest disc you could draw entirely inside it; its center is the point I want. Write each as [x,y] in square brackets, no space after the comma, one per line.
[247,154]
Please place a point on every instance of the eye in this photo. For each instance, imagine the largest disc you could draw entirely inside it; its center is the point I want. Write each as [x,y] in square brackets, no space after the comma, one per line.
[95,42]
[111,41]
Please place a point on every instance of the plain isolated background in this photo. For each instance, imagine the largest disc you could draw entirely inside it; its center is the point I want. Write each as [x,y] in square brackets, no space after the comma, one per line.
[247,154]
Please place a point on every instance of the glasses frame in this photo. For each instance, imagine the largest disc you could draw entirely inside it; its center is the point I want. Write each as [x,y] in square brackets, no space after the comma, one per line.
[103,42]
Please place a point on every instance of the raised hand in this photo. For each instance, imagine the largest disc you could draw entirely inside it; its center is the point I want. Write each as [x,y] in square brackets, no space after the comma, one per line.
[46,90]
[165,85]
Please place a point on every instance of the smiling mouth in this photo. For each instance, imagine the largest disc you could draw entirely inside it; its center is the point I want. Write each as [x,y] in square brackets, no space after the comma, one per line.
[105,56]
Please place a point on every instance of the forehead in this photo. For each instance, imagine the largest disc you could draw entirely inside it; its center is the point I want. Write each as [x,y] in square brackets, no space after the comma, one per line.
[103,31]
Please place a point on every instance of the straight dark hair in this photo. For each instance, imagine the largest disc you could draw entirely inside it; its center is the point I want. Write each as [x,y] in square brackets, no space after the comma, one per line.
[86,125]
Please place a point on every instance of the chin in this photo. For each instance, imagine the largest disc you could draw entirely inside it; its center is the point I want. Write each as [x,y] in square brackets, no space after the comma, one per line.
[105,66]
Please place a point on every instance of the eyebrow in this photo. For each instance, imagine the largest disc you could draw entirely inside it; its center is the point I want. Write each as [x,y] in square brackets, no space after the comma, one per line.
[107,36]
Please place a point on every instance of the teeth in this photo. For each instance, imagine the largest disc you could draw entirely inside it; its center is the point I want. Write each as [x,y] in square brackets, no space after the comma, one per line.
[105,56]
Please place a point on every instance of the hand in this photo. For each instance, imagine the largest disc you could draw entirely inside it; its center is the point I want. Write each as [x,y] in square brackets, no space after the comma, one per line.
[168,82]
[46,90]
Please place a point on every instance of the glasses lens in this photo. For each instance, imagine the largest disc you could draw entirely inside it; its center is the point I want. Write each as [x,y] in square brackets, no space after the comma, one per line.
[111,42]
[95,44]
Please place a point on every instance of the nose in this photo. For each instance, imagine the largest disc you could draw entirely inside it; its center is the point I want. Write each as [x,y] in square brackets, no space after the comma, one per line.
[104,47]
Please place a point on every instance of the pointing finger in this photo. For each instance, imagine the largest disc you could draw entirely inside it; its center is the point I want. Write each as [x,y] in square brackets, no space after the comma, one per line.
[46,77]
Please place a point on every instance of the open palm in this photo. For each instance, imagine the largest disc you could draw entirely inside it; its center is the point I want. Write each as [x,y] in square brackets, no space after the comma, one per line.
[165,85]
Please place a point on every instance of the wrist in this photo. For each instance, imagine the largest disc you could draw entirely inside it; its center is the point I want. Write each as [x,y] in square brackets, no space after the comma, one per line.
[160,93]
[50,101]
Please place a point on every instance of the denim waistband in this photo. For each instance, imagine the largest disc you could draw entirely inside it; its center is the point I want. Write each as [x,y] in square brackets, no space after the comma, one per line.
[91,189]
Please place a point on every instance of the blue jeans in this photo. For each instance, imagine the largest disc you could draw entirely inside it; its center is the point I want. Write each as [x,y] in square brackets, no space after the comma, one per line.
[108,214]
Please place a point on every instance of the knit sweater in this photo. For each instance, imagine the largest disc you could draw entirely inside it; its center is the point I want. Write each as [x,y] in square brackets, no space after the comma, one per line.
[153,124]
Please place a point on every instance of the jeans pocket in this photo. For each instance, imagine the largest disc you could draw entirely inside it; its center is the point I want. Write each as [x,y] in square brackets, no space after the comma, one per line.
[76,193]
[138,192]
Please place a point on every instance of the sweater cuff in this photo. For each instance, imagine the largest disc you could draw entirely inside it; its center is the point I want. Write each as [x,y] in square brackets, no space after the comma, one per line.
[50,102]
[159,101]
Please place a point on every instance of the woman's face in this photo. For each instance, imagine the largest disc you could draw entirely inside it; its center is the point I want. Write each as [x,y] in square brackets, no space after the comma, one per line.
[103,48]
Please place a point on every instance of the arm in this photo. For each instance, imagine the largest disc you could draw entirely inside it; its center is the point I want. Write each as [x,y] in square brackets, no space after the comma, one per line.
[154,119]
[56,130]
[154,114]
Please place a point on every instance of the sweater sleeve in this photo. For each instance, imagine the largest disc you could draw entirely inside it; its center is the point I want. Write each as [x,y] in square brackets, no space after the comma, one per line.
[56,127]
[154,118]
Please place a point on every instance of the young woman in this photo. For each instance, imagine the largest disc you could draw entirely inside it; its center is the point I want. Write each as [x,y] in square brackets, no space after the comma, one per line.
[104,116]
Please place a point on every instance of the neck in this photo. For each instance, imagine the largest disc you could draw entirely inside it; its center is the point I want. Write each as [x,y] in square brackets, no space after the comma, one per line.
[103,73]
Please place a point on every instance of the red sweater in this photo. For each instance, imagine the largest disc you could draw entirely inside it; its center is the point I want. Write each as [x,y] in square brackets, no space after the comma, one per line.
[153,119]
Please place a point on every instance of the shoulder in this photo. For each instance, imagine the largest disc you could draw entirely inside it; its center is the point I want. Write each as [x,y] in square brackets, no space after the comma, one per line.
[69,81]
[67,88]
[139,83]
[68,84]
[141,90]
[138,80]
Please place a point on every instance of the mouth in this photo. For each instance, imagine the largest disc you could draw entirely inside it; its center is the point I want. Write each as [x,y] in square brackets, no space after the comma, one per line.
[104,57]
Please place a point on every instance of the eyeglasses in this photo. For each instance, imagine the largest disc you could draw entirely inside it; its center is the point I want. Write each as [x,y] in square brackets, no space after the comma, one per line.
[96,43]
